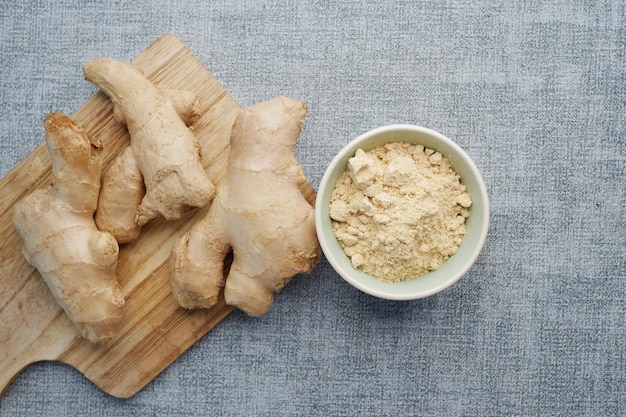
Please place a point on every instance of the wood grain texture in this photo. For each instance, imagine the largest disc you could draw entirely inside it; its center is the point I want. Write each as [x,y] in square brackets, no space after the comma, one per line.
[156,331]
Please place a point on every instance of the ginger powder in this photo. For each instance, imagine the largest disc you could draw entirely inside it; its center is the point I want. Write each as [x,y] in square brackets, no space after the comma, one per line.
[399,211]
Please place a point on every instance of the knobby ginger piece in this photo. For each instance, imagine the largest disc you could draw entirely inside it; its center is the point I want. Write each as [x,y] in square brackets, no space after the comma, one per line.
[164,154]
[75,259]
[259,213]
[120,196]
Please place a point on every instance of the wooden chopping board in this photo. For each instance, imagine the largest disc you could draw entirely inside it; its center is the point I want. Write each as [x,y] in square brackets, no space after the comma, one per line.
[156,331]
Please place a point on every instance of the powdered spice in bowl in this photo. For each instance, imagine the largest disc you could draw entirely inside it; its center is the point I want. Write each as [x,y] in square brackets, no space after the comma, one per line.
[402,212]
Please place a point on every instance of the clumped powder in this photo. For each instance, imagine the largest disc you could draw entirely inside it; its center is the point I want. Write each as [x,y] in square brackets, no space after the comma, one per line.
[399,211]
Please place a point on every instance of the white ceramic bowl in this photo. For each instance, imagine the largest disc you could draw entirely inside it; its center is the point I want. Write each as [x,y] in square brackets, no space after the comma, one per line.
[457,265]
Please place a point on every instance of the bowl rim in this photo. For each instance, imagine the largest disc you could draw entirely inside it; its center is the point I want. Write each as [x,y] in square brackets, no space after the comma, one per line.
[345,153]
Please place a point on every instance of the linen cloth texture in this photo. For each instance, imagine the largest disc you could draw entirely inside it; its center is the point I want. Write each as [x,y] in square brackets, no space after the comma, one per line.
[534,91]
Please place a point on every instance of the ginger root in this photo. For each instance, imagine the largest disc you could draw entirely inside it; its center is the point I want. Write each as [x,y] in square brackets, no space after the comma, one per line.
[56,224]
[259,213]
[164,154]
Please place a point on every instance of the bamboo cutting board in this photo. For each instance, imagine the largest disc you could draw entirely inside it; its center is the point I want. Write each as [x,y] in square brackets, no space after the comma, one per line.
[156,331]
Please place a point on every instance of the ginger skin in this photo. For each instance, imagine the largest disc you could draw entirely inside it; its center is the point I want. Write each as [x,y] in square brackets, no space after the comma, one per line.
[259,213]
[75,259]
[164,154]
[120,196]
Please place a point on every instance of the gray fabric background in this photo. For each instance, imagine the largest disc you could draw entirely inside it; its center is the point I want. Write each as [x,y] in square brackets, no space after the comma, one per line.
[534,91]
